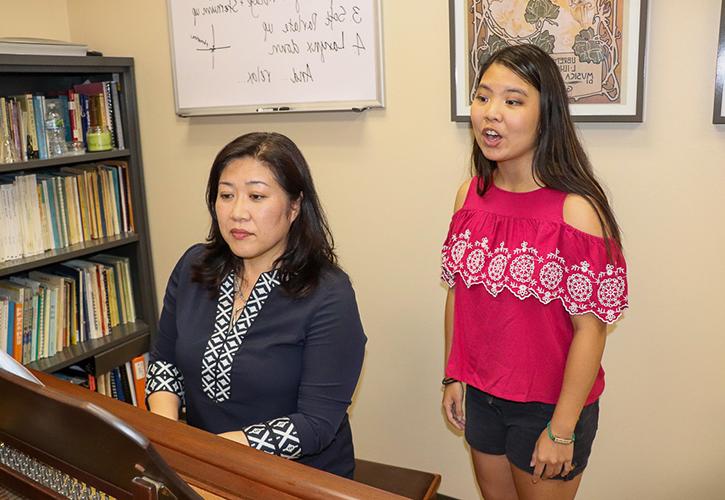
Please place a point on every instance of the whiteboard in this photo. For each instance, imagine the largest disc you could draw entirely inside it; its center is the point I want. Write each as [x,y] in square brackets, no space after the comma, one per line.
[271,56]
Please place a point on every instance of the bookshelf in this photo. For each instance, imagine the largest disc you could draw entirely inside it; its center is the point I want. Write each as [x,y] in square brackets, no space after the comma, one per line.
[20,74]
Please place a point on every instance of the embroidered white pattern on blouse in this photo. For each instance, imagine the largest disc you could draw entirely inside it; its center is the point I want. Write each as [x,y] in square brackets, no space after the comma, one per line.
[216,366]
[526,273]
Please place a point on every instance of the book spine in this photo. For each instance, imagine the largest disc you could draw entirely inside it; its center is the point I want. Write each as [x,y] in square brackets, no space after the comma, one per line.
[18,331]
[3,324]
[128,385]
[44,219]
[11,329]
[76,133]
[38,339]
[14,132]
[138,369]
[110,123]
[40,127]
[32,130]
[116,97]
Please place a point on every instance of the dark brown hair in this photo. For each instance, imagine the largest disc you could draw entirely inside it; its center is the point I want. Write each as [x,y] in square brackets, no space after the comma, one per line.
[310,246]
[559,160]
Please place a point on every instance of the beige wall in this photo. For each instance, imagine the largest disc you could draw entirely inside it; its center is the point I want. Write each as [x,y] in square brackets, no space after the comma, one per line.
[387,179]
[35,18]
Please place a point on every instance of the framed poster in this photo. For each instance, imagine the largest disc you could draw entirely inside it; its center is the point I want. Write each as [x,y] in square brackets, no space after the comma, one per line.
[599,46]
[718,113]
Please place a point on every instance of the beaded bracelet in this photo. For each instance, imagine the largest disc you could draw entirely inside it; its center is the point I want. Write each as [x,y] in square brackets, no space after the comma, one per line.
[557,439]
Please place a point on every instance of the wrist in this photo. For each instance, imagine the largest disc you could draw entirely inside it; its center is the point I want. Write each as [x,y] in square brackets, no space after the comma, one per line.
[565,439]
[449,381]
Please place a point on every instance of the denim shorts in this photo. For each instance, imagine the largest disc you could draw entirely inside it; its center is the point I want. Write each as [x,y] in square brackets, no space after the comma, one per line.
[501,427]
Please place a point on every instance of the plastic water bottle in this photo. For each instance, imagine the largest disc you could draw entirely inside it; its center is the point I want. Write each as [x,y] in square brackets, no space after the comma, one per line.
[55,130]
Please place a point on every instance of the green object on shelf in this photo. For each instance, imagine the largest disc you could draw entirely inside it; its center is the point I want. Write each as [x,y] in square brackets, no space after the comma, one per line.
[98,139]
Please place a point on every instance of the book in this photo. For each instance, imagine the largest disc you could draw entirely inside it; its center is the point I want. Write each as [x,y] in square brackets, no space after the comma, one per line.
[128,386]
[116,100]
[56,285]
[14,249]
[41,47]
[101,384]
[11,328]
[27,111]
[138,370]
[16,294]
[4,304]
[111,123]
[44,218]
[39,111]
[79,323]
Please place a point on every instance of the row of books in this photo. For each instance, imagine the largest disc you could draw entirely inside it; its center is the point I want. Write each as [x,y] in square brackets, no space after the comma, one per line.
[22,118]
[47,310]
[64,207]
[126,382]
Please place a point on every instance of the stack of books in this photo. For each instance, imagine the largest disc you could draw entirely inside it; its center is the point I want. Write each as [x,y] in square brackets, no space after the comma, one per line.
[63,207]
[22,131]
[45,311]
[126,382]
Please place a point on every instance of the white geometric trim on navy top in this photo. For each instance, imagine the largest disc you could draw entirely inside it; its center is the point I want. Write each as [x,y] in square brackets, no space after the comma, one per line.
[164,376]
[276,437]
[216,366]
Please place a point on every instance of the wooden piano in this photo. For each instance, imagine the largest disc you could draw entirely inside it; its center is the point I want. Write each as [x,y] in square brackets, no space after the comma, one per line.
[54,444]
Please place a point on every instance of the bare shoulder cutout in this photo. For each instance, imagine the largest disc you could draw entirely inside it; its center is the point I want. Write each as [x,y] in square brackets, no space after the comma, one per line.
[461,195]
[581,214]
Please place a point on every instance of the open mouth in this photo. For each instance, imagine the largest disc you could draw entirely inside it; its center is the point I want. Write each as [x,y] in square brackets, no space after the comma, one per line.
[491,137]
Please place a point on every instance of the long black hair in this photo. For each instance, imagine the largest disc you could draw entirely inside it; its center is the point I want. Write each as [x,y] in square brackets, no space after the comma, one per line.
[310,246]
[559,160]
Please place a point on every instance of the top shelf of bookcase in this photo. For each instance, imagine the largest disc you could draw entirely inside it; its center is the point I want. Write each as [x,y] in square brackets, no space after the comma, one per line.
[63,160]
[63,64]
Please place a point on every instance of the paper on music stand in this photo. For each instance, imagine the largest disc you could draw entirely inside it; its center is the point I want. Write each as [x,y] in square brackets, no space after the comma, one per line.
[10,365]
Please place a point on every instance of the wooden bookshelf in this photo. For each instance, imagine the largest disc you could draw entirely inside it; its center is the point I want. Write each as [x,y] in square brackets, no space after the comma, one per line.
[20,74]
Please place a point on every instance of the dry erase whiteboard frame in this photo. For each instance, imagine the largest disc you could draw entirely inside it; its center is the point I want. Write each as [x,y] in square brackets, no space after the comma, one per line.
[275,108]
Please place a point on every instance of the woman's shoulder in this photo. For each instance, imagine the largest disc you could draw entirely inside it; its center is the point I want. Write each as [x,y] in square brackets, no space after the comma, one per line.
[191,256]
[579,213]
[333,278]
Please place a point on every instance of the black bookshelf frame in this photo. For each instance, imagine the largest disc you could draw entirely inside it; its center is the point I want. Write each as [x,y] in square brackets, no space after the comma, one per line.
[21,73]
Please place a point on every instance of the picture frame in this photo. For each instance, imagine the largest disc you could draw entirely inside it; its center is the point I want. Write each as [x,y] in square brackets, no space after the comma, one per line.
[599,46]
[718,113]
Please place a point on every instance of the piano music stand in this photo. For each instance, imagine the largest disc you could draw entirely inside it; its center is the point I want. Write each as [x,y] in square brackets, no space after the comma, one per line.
[55,446]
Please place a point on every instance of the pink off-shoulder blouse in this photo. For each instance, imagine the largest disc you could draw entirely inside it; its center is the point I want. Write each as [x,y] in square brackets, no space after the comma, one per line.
[519,272]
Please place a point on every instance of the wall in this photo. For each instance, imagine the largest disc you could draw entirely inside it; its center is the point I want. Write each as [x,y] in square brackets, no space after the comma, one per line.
[387,179]
[24,19]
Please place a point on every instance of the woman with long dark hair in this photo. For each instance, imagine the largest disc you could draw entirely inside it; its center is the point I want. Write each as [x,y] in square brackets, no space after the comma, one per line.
[534,264]
[260,337]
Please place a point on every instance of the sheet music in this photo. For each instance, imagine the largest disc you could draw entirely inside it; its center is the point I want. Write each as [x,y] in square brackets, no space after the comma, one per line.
[10,365]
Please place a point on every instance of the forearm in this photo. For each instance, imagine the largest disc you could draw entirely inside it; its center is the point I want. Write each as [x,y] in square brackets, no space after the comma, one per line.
[237,436]
[165,404]
[448,323]
[582,366]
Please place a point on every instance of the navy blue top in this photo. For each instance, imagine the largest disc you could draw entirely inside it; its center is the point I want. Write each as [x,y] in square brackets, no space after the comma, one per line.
[283,373]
